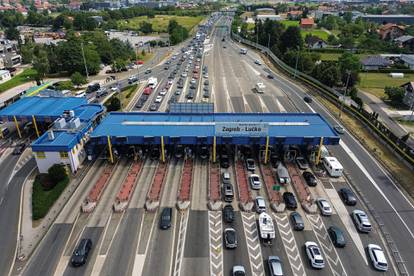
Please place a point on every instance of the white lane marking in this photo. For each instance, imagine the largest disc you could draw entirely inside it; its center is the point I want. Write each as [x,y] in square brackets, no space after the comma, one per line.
[228,102]
[280,106]
[263,105]
[253,244]
[257,73]
[181,243]
[172,243]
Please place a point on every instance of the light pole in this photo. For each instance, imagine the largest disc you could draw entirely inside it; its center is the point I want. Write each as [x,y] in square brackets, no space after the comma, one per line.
[297,60]
[346,90]
[84,61]
[268,41]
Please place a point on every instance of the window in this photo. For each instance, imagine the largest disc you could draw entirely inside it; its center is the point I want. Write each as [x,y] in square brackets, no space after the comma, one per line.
[63,155]
[40,155]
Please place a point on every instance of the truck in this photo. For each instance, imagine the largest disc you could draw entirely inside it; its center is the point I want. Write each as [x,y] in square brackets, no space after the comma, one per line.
[260,87]
[266,228]
[152,82]
[243,51]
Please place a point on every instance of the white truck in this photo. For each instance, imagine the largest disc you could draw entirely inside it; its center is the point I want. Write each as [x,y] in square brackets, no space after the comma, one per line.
[260,87]
[152,82]
[266,228]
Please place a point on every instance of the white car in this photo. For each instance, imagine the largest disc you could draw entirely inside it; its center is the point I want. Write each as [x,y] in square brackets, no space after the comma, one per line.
[257,62]
[314,255]
[377,256]
[163,92]
[184,74]
[238,270]
[193,81]
[340,129]
[361,221]
[255,182]
[206,76]
[260,204]
[170,82]
[324,206]
[158,99]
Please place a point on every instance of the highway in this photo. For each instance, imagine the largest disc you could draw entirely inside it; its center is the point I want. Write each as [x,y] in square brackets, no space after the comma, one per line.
[132,243]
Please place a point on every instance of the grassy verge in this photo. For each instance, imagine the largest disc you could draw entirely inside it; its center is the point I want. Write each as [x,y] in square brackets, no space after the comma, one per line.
[315,32]
[160,22]
[26,76]
[398,170]
[374,83]
[127,95]
[145,58]
[43,200]
[289,23]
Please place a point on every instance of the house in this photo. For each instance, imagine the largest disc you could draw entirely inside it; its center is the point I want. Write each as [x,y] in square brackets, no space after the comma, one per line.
[408,60]
[4,76]
[314,42]
[391,31]
[8,54]
[409,93]
[294,15]
[405,41]
[307,23]
[374,63]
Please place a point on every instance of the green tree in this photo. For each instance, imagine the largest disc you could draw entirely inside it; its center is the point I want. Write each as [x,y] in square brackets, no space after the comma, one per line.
[395,94]
[41,64]
[347,17]
[114,105]
[57,173]
[146,27]
[77,79]
[12,33]
[349,63]
[291,39]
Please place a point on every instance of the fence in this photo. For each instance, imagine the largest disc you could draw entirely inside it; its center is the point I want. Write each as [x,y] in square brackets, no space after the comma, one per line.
[383,132]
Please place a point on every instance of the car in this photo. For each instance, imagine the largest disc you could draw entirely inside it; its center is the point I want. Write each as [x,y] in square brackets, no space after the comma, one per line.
[361,221]
[238,270]
[337,236]
[81,252]
[224,46]
[250,165]
[228,213]
[257,62]
[228,192]
[309,178]
[139,104]
[307,99]
[290,200]
[230,238]
[184,74]
[193,81]
[377,256]
[114,89]
[158,99]
[153,107]
[19,149]
[170,82]
[163,92]
[302,163]
[297,221]
[177,92]
[166,218]
[206,82]
[192,86]
[314,255]
[205,88]
[340,129]
[255,182]
[347,196]
[275,266]
[224,161]
[166,67]
[225,177]
[148,71]
[260,204]
[324,206]
[270,76]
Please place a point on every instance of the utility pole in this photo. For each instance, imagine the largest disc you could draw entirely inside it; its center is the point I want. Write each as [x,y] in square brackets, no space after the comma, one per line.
[84,61]
[345,93]
[296,64]
[268,42]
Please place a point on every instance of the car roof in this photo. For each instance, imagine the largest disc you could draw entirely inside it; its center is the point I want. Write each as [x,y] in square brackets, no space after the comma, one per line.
[379,253]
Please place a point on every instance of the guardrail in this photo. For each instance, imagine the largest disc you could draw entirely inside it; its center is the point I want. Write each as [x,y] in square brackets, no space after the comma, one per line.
[384,133]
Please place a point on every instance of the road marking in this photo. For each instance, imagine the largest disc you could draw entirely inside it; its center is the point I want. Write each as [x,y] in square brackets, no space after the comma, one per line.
[181,242]
[253,243]
[215,243]
[290,245]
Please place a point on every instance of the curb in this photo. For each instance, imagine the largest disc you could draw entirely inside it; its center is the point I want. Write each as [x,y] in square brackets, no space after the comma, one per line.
[278,208]
[152,206]
[247,207]
[183,205]
[215,205]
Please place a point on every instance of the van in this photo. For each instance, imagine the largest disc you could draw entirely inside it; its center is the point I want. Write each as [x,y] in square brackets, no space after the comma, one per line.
[80,94]
[228,192]
[332,166]
[166,218]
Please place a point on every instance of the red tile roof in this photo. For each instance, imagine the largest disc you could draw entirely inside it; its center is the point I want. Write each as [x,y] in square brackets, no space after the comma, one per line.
[307,21]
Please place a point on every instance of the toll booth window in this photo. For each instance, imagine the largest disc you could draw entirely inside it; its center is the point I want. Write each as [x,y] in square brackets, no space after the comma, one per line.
[40,155]
[64,154]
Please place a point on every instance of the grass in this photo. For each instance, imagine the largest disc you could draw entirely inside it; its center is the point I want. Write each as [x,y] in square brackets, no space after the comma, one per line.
[374,83]
[160,22]
[398,170]
[335,56]
[26,76]
[289,23]
[127,95]
[145,58]
[43,200]
[315,32]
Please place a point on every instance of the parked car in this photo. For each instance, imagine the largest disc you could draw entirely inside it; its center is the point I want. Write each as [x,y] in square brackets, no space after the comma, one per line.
[347,196]
[314,255]
[166,218]
[275,266]
[289,200]
[260,204]
[225,177]
[297,221]
[309,178]
[337,236]
[224,161]
[377,257]
[270,76]
[228,213]
[80,255]
[361,221]
[153,107]
[324,206]
[255,182]
[230,238]
[302,163]
[19,149]
[158,99]
[250,166]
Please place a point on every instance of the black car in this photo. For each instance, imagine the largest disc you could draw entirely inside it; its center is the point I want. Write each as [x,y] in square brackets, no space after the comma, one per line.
[93,87]
[228,214]
[309,178]
[270,76]
[297,221]
[224,161]
[230,238]
[139,104]
[148,71]
[348,196]
[166,218]
[19,149]
[307,99]
[153,107]
[337,236]
[290,200]
[80,255]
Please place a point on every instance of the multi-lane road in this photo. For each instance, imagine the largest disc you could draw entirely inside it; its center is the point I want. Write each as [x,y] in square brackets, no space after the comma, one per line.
[131,243]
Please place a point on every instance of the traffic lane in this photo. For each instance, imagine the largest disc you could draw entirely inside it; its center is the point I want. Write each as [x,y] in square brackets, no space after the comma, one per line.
[93,233]
[196,251]
[121,255]
[46,257]
[240,255]
[6,169]
[9,217]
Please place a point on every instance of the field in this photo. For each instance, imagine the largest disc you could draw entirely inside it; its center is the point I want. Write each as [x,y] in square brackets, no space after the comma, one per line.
[289,23]
[26,76]
[375,83]
[315,32]
[160,22]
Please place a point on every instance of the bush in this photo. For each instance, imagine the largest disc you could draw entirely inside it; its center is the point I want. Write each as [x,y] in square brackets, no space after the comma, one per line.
[57,173]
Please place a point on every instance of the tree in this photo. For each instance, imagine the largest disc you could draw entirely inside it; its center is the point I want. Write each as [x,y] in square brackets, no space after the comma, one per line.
[395,94]
[12,33]
[56,173]
[347,17]
[77,79]
[291,39]
[114,105]
[327,73]
[349,63]
[41,64]
[146,27]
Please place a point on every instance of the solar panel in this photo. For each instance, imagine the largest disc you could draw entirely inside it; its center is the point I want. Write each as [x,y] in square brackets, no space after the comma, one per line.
[192,108]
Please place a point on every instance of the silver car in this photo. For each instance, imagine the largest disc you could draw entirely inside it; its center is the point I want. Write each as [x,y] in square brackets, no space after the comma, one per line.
[275,266]
[361,221]
[324,206]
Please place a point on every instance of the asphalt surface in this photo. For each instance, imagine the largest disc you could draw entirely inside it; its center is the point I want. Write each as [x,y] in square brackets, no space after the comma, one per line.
[132,243]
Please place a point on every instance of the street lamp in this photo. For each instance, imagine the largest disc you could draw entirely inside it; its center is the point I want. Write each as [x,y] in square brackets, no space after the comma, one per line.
[346,90]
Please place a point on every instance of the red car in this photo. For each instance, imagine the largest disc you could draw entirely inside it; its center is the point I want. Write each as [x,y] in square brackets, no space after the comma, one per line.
[147,91]
[139,62]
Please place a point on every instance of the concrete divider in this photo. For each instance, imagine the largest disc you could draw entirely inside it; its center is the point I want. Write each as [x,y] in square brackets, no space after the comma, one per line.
[302,190]
[269,180]
[127,188]
[245,195]
[184,192]
[154,193]
[97,190]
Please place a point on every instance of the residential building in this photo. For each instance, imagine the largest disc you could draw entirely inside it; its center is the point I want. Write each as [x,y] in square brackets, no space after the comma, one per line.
[307,23]
[391,31]
[408,60]
[4,76]
[314,42]
[272,17]
[405,41]
[375,63]
[409,93]
[294,15]
[389,18]
[8,54]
